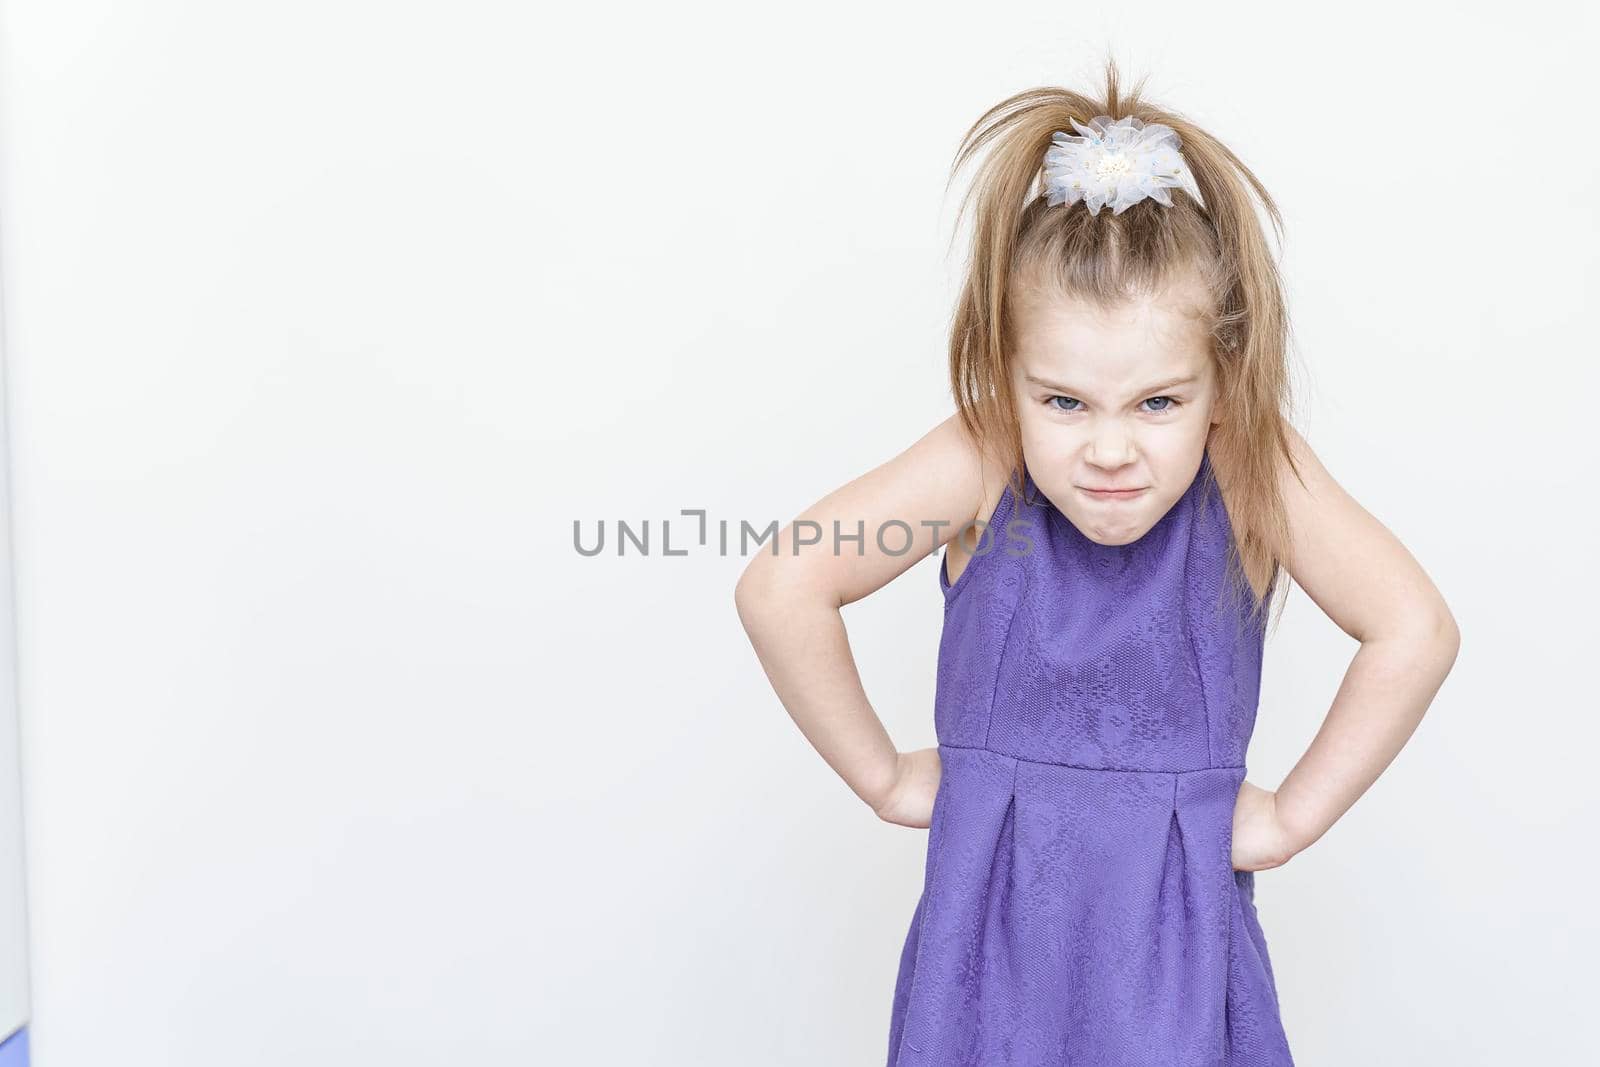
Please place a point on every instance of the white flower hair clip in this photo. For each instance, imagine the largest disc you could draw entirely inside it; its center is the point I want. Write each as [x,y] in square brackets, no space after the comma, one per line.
[1117,163]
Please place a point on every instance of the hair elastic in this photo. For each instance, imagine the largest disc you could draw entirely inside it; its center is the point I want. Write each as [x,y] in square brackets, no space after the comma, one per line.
[1117,162]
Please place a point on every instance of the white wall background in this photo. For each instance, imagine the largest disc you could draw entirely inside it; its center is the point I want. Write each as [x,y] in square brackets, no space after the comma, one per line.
[326,320]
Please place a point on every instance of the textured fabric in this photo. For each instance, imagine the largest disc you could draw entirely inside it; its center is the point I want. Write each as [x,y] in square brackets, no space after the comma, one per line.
[1079,904]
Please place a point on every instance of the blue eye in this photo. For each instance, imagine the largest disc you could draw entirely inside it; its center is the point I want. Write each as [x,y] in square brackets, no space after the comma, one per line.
[1162,404]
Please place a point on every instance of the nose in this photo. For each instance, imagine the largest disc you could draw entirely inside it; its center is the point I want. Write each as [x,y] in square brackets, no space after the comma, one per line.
[1110,445]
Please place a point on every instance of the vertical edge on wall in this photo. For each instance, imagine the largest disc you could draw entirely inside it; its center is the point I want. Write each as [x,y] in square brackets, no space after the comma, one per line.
[15,1007]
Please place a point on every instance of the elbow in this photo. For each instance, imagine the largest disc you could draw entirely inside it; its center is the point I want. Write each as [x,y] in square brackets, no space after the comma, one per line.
[747,596]
[1426,633]
[756,595]
[1436,633]
[770,592]
[1448,634]
[1442,628]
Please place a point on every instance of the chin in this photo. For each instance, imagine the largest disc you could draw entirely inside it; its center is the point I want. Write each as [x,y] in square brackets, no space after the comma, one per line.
[1121,534]
[1114,540]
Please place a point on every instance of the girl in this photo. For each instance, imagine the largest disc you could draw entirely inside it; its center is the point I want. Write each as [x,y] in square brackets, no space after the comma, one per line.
[1121,454]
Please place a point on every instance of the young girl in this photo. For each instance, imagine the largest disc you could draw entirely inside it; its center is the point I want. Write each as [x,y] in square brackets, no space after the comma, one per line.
[1121,453]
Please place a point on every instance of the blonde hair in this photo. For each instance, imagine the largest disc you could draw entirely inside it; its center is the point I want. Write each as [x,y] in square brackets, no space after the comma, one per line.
[1018,237]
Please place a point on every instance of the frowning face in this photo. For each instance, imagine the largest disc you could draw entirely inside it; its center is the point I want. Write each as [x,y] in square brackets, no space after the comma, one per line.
[1115,406]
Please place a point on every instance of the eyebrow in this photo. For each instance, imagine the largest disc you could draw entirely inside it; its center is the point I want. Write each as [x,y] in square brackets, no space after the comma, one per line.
[1187,379]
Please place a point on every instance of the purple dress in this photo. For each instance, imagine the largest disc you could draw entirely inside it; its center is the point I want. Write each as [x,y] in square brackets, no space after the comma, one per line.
[1079,905]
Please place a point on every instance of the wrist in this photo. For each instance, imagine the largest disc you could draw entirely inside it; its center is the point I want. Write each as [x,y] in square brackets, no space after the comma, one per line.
[1296,831]
[883,783]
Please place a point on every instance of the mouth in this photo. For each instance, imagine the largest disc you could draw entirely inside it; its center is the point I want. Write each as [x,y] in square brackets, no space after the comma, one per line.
[1112,494]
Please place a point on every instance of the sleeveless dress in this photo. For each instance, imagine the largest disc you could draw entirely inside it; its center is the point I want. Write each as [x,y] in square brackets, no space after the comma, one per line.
[1093,706]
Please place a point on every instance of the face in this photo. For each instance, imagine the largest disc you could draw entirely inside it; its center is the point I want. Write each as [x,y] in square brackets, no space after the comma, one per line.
[1115,406]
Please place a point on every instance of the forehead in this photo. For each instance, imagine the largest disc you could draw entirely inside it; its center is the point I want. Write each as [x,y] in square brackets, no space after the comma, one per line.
[1058,335]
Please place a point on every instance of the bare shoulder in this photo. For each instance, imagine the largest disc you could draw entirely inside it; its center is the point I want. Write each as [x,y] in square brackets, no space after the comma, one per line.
[993,473]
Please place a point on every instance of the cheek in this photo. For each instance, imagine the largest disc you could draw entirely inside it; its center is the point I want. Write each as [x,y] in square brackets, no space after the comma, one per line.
[1056,433]
[1034,416]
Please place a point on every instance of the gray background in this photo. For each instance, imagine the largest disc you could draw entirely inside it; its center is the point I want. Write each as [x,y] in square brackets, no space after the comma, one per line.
[326,320]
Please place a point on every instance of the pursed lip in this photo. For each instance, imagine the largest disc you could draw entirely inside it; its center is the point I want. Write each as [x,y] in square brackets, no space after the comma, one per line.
[1113,494]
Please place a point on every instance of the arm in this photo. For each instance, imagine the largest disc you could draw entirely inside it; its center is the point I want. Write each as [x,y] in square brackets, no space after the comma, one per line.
[1357,572]
[789,603]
